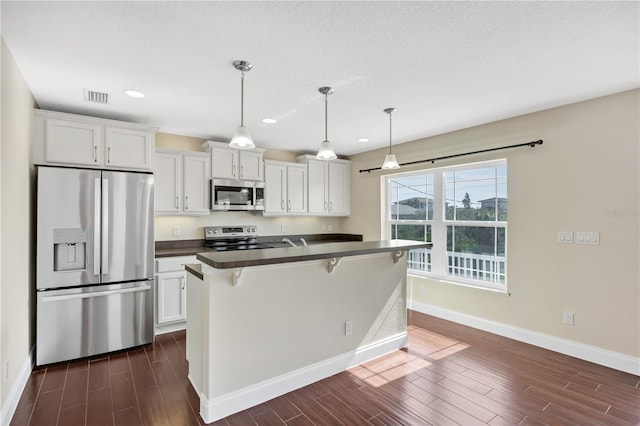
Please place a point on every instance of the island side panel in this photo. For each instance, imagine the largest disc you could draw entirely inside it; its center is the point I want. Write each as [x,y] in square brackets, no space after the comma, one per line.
[282,318]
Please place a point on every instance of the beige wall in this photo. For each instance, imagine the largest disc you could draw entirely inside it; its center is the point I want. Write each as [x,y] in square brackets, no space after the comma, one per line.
[191,227]
[16,218]
[583,178]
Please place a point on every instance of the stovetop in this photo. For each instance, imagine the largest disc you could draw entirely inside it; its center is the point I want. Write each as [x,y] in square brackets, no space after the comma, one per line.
[228,238]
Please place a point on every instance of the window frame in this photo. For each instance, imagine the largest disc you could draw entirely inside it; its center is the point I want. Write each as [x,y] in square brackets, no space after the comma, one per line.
[439,224]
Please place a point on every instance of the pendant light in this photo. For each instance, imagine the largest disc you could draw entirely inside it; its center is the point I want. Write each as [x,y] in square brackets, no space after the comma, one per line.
[326,151]
[241,138]
[390,161]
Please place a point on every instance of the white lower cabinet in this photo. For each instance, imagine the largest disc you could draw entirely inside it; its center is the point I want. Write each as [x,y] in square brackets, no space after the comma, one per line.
[171,293]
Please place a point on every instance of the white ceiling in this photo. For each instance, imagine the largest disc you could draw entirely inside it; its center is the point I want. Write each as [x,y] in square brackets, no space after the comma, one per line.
[444,65]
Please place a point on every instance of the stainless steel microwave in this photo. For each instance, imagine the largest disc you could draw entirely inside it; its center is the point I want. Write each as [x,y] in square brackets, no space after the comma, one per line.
[230,195]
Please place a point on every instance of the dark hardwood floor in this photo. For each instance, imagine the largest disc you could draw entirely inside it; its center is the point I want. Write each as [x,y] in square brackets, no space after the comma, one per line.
[450,374]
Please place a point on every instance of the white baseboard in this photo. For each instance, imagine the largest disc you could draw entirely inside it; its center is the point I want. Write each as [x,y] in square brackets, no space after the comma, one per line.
[9,407]
[589,353]
[222,406]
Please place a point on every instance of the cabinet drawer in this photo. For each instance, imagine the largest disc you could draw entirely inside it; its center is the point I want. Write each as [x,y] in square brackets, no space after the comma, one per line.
[167,264]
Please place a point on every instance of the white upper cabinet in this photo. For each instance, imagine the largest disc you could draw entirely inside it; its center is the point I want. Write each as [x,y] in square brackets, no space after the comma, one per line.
[69,142]
[168,177]
[229,163]
[68,139]
[127,149]
[196,175]
[285,188]
[329,186]
[182,182]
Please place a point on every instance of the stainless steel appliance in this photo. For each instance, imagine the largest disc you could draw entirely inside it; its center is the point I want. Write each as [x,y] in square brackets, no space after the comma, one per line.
[228,238]
[233,195]
[94,262]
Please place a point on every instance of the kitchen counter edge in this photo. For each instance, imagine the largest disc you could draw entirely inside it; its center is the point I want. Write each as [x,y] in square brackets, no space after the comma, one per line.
[241,259]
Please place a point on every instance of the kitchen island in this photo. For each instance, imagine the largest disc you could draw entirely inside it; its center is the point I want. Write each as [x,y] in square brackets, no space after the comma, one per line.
[264,322]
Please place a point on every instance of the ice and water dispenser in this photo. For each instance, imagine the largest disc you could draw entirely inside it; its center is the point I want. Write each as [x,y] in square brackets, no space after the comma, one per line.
[69,249]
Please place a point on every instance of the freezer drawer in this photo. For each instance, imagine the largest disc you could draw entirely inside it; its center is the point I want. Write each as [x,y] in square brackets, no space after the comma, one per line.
[79,322]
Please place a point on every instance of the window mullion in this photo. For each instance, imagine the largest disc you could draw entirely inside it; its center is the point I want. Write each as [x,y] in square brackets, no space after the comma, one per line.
[438,230]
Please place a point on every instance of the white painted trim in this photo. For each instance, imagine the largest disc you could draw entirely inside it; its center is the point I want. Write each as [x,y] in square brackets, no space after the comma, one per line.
[9,408]
[222,406]
[579,350]
[170,328]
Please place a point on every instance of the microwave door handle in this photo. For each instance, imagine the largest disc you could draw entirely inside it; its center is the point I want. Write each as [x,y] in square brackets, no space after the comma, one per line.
[96,226]
[105,226]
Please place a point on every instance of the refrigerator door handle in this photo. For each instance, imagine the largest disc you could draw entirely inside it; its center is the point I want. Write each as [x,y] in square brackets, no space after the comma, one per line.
[105,226]
[95,294]
[96,226]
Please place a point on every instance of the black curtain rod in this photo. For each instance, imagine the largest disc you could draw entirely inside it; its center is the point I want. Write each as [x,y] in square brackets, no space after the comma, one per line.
[433,160]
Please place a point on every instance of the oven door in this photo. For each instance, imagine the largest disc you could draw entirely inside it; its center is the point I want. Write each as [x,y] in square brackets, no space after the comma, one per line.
[232,195]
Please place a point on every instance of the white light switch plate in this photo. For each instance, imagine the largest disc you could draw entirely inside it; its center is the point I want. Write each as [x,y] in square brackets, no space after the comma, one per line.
[565,237]
[592,238]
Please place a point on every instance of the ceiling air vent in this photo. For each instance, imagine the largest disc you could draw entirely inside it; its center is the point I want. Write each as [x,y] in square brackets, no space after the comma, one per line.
[97,97]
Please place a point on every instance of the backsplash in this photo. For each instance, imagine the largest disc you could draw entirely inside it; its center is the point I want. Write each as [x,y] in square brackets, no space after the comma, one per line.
[191,227]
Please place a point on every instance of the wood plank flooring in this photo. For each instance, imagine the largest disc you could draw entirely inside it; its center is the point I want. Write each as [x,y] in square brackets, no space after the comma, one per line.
[449,375]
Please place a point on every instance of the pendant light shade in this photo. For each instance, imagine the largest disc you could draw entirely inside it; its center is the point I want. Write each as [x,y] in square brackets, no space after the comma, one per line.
[390,161]
[326,151]
[241,138]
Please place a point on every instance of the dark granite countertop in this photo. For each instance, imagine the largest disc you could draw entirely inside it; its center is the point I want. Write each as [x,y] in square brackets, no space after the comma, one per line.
[195,269]
[193,247]
[239,259]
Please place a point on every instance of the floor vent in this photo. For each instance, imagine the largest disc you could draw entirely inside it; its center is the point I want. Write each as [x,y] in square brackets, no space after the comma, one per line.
[97,97]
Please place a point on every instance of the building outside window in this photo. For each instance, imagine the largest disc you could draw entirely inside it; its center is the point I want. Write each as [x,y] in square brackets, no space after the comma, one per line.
[462,210]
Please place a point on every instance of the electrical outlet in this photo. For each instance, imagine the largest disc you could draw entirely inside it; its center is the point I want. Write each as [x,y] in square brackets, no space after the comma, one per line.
[348,328]
[329,227]
[568,318]
[283,228]
[176,231]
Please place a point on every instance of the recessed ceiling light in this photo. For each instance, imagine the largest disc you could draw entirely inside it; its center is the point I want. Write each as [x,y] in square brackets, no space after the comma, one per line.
[268,120]
[134,93]
[363,140]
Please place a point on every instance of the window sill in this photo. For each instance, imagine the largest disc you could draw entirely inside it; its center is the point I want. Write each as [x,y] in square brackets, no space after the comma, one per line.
[478,285]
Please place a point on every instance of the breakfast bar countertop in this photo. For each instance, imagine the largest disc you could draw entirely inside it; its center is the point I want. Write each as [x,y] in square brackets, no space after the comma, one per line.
[240,259]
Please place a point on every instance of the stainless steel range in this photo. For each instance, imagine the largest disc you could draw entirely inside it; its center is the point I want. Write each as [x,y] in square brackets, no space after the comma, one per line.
[227,238]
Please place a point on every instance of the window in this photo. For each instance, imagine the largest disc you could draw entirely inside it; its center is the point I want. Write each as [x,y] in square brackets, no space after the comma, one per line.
[462,210]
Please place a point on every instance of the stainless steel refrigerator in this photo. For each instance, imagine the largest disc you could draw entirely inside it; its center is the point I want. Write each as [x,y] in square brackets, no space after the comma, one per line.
[94,262]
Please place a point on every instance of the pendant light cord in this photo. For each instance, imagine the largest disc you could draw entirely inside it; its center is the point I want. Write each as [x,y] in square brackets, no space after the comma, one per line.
[242,99]
[390,133]
[326,115]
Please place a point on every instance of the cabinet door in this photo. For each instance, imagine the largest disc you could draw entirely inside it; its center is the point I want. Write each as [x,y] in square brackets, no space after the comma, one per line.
[339,188]
[196,184]
[172,300]
[69,142]
[250,165]
[223,163]
[168,177]
[296,189]
[317,177]
[128,149]
[274,188]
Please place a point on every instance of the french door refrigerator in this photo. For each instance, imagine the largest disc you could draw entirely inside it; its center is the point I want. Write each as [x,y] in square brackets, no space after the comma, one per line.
[94,262]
